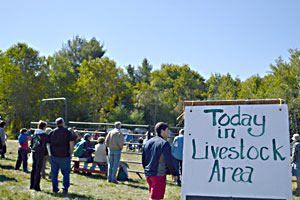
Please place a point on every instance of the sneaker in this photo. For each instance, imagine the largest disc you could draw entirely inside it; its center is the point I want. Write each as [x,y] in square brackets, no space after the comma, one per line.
[116,182]
[26,171]
[65,191]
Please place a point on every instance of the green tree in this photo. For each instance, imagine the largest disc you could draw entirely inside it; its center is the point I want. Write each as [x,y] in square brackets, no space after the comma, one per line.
[127,117]
[62,83]
[222,87]
[162,99]
[143,72]
[79,49]
[101,83]
[285,84]
[25,75]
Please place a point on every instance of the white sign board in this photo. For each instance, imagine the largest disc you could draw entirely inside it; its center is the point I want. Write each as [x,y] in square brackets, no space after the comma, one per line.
[236,152]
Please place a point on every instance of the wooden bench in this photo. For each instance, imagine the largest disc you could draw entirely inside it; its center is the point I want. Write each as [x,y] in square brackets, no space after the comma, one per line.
[76,167]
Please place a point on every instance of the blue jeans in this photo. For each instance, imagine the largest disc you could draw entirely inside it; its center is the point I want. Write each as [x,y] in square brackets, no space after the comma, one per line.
[101,167]
[22,157]
[178,167]
[64,164]
[114,156]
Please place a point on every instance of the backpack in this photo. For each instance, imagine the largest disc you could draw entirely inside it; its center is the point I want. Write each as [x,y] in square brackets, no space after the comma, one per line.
[35,141]
[78,149]
[123,173]
[122,176]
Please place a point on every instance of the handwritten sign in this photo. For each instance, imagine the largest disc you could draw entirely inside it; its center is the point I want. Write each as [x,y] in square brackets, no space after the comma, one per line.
[236,151]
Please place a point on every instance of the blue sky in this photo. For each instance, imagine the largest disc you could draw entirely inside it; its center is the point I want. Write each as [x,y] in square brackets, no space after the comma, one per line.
[225,36]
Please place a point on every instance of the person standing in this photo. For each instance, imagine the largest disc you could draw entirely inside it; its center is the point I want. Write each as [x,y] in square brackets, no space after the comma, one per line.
[296,161]
[177,150]
[60,146]
[46,159]
[114,141]
[2,139]
[157,161]
[38,148]
[23,149]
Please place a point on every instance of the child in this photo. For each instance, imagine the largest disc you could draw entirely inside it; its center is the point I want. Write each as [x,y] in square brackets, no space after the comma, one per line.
[140,141]
[23,150]
[100,154]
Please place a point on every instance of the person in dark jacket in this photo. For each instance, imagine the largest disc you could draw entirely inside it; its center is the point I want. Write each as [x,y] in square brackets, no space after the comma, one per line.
[157,161]
[87,150]
[38,152]
[23,149]
[60,147]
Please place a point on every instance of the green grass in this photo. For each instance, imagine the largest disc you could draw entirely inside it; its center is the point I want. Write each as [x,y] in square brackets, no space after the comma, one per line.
[15,184]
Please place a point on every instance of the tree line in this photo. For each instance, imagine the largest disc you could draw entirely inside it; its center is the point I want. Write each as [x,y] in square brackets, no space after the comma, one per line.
[98,90]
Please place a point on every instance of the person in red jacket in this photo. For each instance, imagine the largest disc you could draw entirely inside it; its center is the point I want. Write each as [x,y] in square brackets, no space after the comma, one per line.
[23,150]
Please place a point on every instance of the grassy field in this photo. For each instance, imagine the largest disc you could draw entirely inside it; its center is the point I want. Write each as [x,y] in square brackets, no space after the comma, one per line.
[15,184]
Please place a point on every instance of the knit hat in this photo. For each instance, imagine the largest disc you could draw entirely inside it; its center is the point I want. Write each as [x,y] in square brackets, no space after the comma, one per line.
[86,136]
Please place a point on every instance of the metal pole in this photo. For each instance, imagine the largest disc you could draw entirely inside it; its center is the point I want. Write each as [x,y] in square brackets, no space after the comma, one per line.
[66,111]
[56,99]
[41,110]
[149,132]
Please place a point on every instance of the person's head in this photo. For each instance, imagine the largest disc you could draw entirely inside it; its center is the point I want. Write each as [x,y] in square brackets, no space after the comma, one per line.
[42,125]
[181,132]
[48,130]
[71,130]
[118,125]
[140,140]
[296,137]
[2,124]
[60,121]
[101,140]
[161,129]
[87,136]
[23,130]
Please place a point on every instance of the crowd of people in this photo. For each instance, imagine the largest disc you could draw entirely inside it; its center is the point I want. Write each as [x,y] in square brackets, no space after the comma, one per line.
[56,146]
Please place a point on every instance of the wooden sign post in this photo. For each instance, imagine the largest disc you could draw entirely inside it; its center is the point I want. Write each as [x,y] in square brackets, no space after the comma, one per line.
[236,150]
